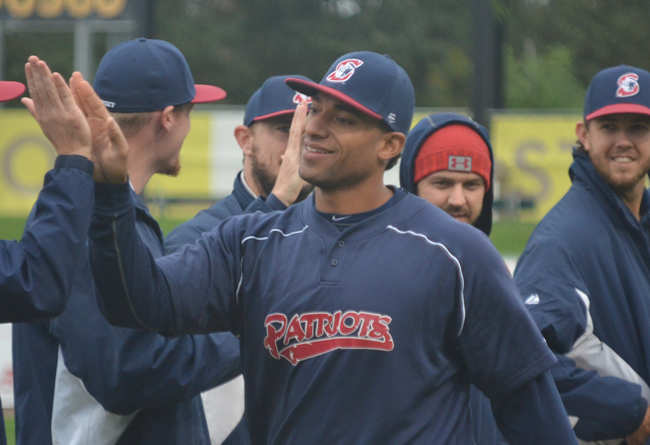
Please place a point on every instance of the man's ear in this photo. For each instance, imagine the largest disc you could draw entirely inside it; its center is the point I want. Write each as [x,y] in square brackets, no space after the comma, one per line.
[166,118]
[392,146]
[244,136]
[581,131]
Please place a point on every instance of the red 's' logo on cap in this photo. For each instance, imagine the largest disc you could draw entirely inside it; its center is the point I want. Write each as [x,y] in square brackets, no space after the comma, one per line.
[344,70]
[628,85]
[301,98]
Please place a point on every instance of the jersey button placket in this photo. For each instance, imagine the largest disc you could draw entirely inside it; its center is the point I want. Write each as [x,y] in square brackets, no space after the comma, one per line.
[335,262]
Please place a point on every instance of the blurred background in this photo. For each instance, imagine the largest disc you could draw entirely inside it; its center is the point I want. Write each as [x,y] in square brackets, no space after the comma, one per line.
[519,67]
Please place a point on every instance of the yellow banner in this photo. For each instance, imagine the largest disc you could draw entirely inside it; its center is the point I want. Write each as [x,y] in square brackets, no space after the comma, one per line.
[25,156]
[533,155]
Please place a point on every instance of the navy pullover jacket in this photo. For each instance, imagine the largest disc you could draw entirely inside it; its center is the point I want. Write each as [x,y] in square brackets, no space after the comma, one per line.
[240,201]
[483,423]
[340,343]
[585,277]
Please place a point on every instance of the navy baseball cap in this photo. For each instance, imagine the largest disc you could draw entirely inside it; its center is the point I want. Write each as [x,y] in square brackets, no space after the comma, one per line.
[10,90]
[274,98]
[148,75]
[621,89]
[371,83]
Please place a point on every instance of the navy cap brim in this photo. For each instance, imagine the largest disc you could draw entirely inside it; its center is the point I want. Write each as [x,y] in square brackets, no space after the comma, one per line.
[312,88]
[208,93]
[619,109]
[10,90]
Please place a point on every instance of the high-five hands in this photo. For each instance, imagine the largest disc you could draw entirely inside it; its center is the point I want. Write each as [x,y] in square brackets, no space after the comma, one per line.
[75,121]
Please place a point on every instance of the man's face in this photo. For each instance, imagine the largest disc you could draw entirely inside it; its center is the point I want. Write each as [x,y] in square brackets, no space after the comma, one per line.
[460,194]
[340,145]
[269,142]
[619,148]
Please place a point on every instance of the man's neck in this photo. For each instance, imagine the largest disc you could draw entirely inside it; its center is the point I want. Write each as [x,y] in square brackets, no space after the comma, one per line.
[361,198]
[250,183]
[140,166]
[247,185]
[632,198]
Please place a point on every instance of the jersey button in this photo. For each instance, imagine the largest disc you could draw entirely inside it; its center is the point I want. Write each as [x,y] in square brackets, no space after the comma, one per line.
[335,263]
[341,243]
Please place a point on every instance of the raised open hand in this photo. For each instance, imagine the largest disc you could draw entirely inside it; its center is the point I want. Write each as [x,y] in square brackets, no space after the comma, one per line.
[289,184]
[55,110]
[109,147]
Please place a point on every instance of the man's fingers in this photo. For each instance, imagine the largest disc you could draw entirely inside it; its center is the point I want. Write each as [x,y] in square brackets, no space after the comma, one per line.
[64,92]
[50,92]
[295,133]
[29,104]
[92,103]
[75,94]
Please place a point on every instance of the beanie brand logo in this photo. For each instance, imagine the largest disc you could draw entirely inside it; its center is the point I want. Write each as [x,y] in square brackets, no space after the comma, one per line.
[317,333]
[301,98]
[109,104]
[344,70]
[460,163]
[628,85]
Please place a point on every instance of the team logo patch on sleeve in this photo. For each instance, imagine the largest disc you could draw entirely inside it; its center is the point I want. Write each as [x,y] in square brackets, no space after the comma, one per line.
[344,70]
[628,85]
[301,98]
[460,164]
[316,333]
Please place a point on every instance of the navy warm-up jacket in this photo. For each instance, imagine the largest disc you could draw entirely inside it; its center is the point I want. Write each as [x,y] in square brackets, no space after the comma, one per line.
[37,273]
[585,277]
[80,380]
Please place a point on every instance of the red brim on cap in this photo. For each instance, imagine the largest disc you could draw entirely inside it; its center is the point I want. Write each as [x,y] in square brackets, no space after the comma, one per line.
[10,90]
[277,113]
[619,109]
[311,88]
[208,93]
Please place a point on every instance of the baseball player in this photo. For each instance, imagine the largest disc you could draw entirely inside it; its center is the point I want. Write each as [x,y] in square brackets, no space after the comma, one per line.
[363,314]
[448,161]
[585,273]
[34,284]
[270,141]
[79,380]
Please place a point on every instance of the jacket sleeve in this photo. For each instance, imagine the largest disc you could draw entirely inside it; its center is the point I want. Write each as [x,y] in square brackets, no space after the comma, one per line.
[598,388]
[533,414]
[192,291]
[34,281]
[270,204]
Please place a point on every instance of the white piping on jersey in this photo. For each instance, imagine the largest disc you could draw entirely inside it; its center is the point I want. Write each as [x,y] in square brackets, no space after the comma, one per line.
[264,238]
[452,257]
[260,238]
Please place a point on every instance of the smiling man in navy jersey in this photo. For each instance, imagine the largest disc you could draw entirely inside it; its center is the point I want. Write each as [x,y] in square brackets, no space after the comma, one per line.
[363,312]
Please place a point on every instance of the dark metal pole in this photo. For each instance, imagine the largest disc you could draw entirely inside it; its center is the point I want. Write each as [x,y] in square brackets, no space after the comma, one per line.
[484,75]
